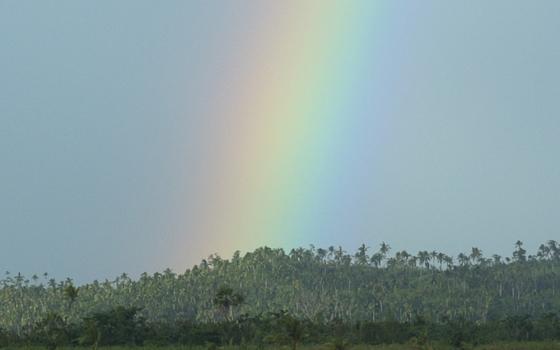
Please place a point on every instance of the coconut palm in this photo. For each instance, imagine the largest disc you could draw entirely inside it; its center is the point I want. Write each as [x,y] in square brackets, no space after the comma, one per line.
[226,299]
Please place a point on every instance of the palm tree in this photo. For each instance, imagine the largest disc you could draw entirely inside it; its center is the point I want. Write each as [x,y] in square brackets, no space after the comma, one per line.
[463,259]
[403,257]
[424,258]
[476,255]
[440,259]
[376,259]
[226,299]
[71,293]
[448,261]
[384,249]
[361,256]
[519,254]
[434,255]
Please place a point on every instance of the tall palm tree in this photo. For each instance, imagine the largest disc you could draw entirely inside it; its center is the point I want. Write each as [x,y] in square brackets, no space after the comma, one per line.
[476,255]
[463,259]
[376,259]
[361,256]
[519,254]
[384,249]
[424,258]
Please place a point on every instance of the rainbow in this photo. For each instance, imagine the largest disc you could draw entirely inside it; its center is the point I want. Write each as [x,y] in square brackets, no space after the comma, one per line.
[293,109]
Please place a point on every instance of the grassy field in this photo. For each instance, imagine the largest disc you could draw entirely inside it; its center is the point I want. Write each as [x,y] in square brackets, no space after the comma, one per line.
[498,346]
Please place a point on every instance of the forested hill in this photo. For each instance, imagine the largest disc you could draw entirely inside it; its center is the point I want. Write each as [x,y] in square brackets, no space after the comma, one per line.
[314,284]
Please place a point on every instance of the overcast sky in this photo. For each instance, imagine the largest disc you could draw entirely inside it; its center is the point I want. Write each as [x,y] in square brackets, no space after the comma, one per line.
[99,101]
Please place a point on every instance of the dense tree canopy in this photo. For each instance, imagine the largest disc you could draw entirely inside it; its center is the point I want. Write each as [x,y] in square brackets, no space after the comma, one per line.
[313,285]
[312,295]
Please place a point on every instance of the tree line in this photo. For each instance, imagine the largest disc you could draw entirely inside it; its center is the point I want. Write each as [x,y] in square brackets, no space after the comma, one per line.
[314,286]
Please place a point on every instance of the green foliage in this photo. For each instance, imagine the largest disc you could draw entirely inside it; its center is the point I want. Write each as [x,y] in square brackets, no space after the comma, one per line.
[119,326]
[52,332]
[306,296]
[292,328]
[71,293]
[313,284]
[226,299]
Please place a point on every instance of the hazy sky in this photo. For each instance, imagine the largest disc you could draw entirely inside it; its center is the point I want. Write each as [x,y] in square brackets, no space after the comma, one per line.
[113,116]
